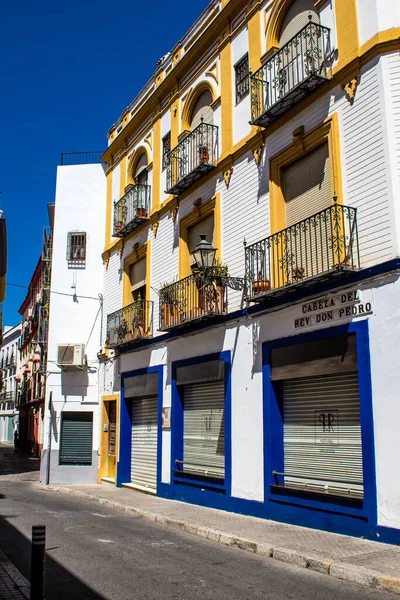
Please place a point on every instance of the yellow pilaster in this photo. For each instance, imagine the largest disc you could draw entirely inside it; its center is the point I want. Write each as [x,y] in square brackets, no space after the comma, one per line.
[122,180]
[156,183]
[347,30]
[109,208]
[255,45]
[226,96]
[175,121]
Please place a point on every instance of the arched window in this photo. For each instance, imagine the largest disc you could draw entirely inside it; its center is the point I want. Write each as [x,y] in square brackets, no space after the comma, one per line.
[296,18]
[202,110]
[140,174]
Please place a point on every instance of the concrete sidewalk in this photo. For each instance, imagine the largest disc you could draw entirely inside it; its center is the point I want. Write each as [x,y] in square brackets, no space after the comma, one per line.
[360,561]
[13,586]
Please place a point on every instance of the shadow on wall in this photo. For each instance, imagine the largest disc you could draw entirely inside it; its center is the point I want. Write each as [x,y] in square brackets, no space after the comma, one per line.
[75,383]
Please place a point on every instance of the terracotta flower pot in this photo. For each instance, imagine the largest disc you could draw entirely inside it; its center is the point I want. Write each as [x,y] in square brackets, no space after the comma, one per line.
[261,285]
[118,226]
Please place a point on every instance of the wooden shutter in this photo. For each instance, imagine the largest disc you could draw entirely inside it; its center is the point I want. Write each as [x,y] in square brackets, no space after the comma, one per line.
[144,442]
[205,226]
[76,438]
[296,18]
[203,109]
[203,428]
[307,185]
[322,434]
[137,274]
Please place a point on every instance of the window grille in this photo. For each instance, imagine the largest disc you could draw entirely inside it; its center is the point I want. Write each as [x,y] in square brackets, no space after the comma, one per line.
[166,150]
[242,78]
[76,249]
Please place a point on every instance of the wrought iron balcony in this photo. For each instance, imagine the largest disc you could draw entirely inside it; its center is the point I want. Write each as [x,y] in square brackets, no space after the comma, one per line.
[192,158]
[131,210]
[322,246]
[6,397]
[133,322]
[196,297]
[294,72]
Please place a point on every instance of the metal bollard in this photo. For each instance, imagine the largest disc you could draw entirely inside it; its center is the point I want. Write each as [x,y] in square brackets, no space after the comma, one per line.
[38,562]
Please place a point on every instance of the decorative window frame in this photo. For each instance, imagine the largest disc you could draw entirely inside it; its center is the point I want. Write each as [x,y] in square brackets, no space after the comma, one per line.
[77,262]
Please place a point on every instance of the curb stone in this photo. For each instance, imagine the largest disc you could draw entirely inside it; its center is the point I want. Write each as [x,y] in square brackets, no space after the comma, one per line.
[319,564]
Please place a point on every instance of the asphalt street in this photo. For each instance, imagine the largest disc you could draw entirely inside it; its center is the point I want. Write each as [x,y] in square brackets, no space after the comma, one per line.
[98,553]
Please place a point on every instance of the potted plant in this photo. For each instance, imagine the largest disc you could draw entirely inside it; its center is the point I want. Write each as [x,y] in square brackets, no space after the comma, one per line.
[212,288]
[141,212]
[204,154]
[118,226]
[260,285]
[168,294]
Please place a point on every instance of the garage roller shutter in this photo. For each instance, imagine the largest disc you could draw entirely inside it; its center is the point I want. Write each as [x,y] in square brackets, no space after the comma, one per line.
[144,442]
[76,439]
[203,429]
[322,434]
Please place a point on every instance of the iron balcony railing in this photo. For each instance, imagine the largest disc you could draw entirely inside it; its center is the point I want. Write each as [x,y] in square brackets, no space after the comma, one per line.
[133,322]
[324,244]
[192,158]
[6,396]
[132,209]
[193,298]
[294,72]
[81,158]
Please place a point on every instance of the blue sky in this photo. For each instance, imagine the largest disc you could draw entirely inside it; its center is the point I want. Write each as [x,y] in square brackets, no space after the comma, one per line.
[68,70]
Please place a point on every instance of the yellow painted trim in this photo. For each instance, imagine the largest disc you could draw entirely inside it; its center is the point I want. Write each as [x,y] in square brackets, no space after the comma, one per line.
[175,121]
[195,216]
[122,176]
[255,43]
[133,258]
[103,466]
[347,30]
[191,100]
[109,209]
[226,130]
[156,181]
[274,23]
[327,131]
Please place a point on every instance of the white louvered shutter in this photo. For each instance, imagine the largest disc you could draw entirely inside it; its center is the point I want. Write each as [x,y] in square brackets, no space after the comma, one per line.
[203,429]
[203,109]
[322,434]
[296,18]
[205,226]
[144,442]
[137,274]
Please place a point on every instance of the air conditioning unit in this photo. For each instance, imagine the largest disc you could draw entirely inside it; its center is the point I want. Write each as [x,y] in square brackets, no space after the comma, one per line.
[71,356]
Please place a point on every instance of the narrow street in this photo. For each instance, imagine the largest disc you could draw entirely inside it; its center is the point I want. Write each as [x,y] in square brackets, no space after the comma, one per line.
[95,552]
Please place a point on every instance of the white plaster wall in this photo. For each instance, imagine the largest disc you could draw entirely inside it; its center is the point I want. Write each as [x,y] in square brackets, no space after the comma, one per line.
[375,16]
[244,339]
[328,19]
[112,290]
[80,205]
[241,111]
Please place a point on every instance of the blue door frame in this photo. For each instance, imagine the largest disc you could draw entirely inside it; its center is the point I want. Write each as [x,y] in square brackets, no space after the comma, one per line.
[125,428]
[319,511]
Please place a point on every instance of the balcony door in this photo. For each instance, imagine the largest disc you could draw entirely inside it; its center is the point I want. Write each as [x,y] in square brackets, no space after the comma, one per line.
[138,319]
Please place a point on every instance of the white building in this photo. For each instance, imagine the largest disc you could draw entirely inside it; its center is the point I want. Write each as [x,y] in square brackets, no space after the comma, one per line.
[72,415]
[9,372]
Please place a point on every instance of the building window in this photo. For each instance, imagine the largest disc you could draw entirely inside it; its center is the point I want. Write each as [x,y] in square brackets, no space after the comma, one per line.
[166,150]
[242,78]
[76,249]
[76,438]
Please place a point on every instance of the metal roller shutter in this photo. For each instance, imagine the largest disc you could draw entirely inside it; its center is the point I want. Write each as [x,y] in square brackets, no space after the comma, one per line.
[307,185]
[322,434]
[296,18]
[144,442]
[76,439]
[203,429]
[203,110]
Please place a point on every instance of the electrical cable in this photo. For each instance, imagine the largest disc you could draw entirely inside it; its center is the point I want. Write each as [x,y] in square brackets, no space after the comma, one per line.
[54,292]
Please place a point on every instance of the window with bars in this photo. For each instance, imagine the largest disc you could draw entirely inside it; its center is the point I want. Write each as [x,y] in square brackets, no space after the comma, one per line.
[76,249]
[242,80]
[166,150]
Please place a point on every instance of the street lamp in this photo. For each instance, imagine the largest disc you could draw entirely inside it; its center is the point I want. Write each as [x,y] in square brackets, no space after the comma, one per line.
[204,253]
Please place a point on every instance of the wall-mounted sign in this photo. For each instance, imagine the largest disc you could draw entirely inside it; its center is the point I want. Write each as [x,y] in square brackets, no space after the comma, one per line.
[332,308]
[166,417]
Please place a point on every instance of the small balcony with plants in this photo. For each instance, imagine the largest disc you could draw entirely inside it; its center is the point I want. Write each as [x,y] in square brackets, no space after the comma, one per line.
[192,158]
[200,296]
[131,323]
[321,247]
[132,209]
[294,72]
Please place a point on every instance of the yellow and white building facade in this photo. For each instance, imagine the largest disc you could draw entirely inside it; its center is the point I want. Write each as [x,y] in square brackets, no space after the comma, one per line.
[266,382]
